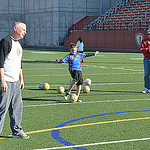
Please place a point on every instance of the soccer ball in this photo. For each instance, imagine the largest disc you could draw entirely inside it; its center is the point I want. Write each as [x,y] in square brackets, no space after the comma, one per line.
[86,89]
[60,89]
[41,85]
[46,86]
[73,98]
[87,81]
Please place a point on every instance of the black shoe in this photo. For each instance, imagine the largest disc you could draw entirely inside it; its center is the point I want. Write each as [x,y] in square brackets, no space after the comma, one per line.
[79,100]
[66,95]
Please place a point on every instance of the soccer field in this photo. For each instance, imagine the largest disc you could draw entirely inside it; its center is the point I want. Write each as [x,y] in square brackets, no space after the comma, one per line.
[115,115]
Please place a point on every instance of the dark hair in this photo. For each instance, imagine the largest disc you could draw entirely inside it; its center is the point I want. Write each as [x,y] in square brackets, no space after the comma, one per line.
[72,45]
[79,39]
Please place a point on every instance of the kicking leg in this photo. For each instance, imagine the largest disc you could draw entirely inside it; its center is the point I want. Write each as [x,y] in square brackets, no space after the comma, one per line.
[72,84]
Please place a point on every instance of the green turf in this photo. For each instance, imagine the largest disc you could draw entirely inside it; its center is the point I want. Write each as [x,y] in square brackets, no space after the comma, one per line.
[117,82]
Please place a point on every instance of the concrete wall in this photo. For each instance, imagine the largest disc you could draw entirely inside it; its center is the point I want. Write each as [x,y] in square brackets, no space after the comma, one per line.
[47,20]
[40,17]
[10,11]
[73,11]
[106,4]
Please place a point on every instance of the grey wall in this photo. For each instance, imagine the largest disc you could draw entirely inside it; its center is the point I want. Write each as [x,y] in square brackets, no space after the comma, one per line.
[10,11]
[47,20]
[106,4]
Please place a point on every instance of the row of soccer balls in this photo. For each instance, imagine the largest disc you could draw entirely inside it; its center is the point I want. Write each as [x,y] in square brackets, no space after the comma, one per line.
[61,89]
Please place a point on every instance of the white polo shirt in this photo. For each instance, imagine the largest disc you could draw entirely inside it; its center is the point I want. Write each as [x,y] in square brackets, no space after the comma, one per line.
[80,46]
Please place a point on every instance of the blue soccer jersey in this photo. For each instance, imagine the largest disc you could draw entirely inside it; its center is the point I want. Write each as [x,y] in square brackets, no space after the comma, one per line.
[74,61]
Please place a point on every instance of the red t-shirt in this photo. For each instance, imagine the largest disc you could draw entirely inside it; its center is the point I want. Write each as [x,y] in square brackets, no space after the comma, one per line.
[145,48]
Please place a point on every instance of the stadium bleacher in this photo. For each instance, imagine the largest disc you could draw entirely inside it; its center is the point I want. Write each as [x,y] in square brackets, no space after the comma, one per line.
[134,15]
[115,25]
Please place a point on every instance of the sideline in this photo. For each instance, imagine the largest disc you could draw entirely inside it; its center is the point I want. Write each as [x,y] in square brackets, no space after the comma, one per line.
[88,124]
[56,133]
[93,144]
[81,125]
[107,101]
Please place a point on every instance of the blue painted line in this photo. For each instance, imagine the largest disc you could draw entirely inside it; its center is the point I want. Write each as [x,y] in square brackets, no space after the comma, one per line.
[55,133]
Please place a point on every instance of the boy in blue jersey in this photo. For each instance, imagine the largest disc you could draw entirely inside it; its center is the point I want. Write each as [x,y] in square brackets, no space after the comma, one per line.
[73,59]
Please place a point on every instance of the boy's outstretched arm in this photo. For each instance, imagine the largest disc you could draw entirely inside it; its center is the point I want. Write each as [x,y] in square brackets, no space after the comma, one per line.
[59,61]
[91,54]
[64,60]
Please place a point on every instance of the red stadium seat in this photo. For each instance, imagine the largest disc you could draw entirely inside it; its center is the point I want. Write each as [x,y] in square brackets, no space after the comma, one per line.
[134,15]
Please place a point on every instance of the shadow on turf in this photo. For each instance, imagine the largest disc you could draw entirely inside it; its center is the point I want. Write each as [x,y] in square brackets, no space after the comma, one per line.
[42,99]
[44,91]
[5,136]
[24,61]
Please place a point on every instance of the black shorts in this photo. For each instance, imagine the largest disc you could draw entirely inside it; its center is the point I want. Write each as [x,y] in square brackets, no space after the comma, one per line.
[77,76]
[79,51]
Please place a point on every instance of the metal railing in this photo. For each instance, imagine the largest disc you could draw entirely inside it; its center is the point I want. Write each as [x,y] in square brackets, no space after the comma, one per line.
[146,13]
[107,14]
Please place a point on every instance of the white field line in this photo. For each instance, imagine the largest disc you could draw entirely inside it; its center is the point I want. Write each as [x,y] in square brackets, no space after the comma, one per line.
[45,52]
[107,101]
[101,143]
[136,58]
[132,69]
[85,67]
[117,83]
[60,75]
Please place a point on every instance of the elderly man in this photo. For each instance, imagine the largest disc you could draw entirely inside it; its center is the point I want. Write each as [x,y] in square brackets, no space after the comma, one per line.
[11,80]
[145,49]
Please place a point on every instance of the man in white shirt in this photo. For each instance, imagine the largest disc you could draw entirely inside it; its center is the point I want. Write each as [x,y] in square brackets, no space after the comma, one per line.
[11,80]
[80,46]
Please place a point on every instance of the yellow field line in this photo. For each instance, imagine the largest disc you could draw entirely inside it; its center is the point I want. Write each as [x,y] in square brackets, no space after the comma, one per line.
[81,125]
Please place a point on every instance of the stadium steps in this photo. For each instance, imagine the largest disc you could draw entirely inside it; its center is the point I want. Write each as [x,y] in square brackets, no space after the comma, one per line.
[79,25]
[134,15]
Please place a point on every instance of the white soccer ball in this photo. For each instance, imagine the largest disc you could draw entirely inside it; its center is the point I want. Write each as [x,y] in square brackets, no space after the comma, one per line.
[60,89]
[73,98]
[41,85]
[87,81]
[46,86]
[86,89]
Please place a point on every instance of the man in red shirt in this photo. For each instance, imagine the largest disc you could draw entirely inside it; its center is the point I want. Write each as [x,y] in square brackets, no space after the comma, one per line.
[145,49]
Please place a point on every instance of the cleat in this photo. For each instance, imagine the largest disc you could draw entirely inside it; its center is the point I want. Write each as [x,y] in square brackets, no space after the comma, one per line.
[21,136]
[66,95]
[79,100]
[145,91]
